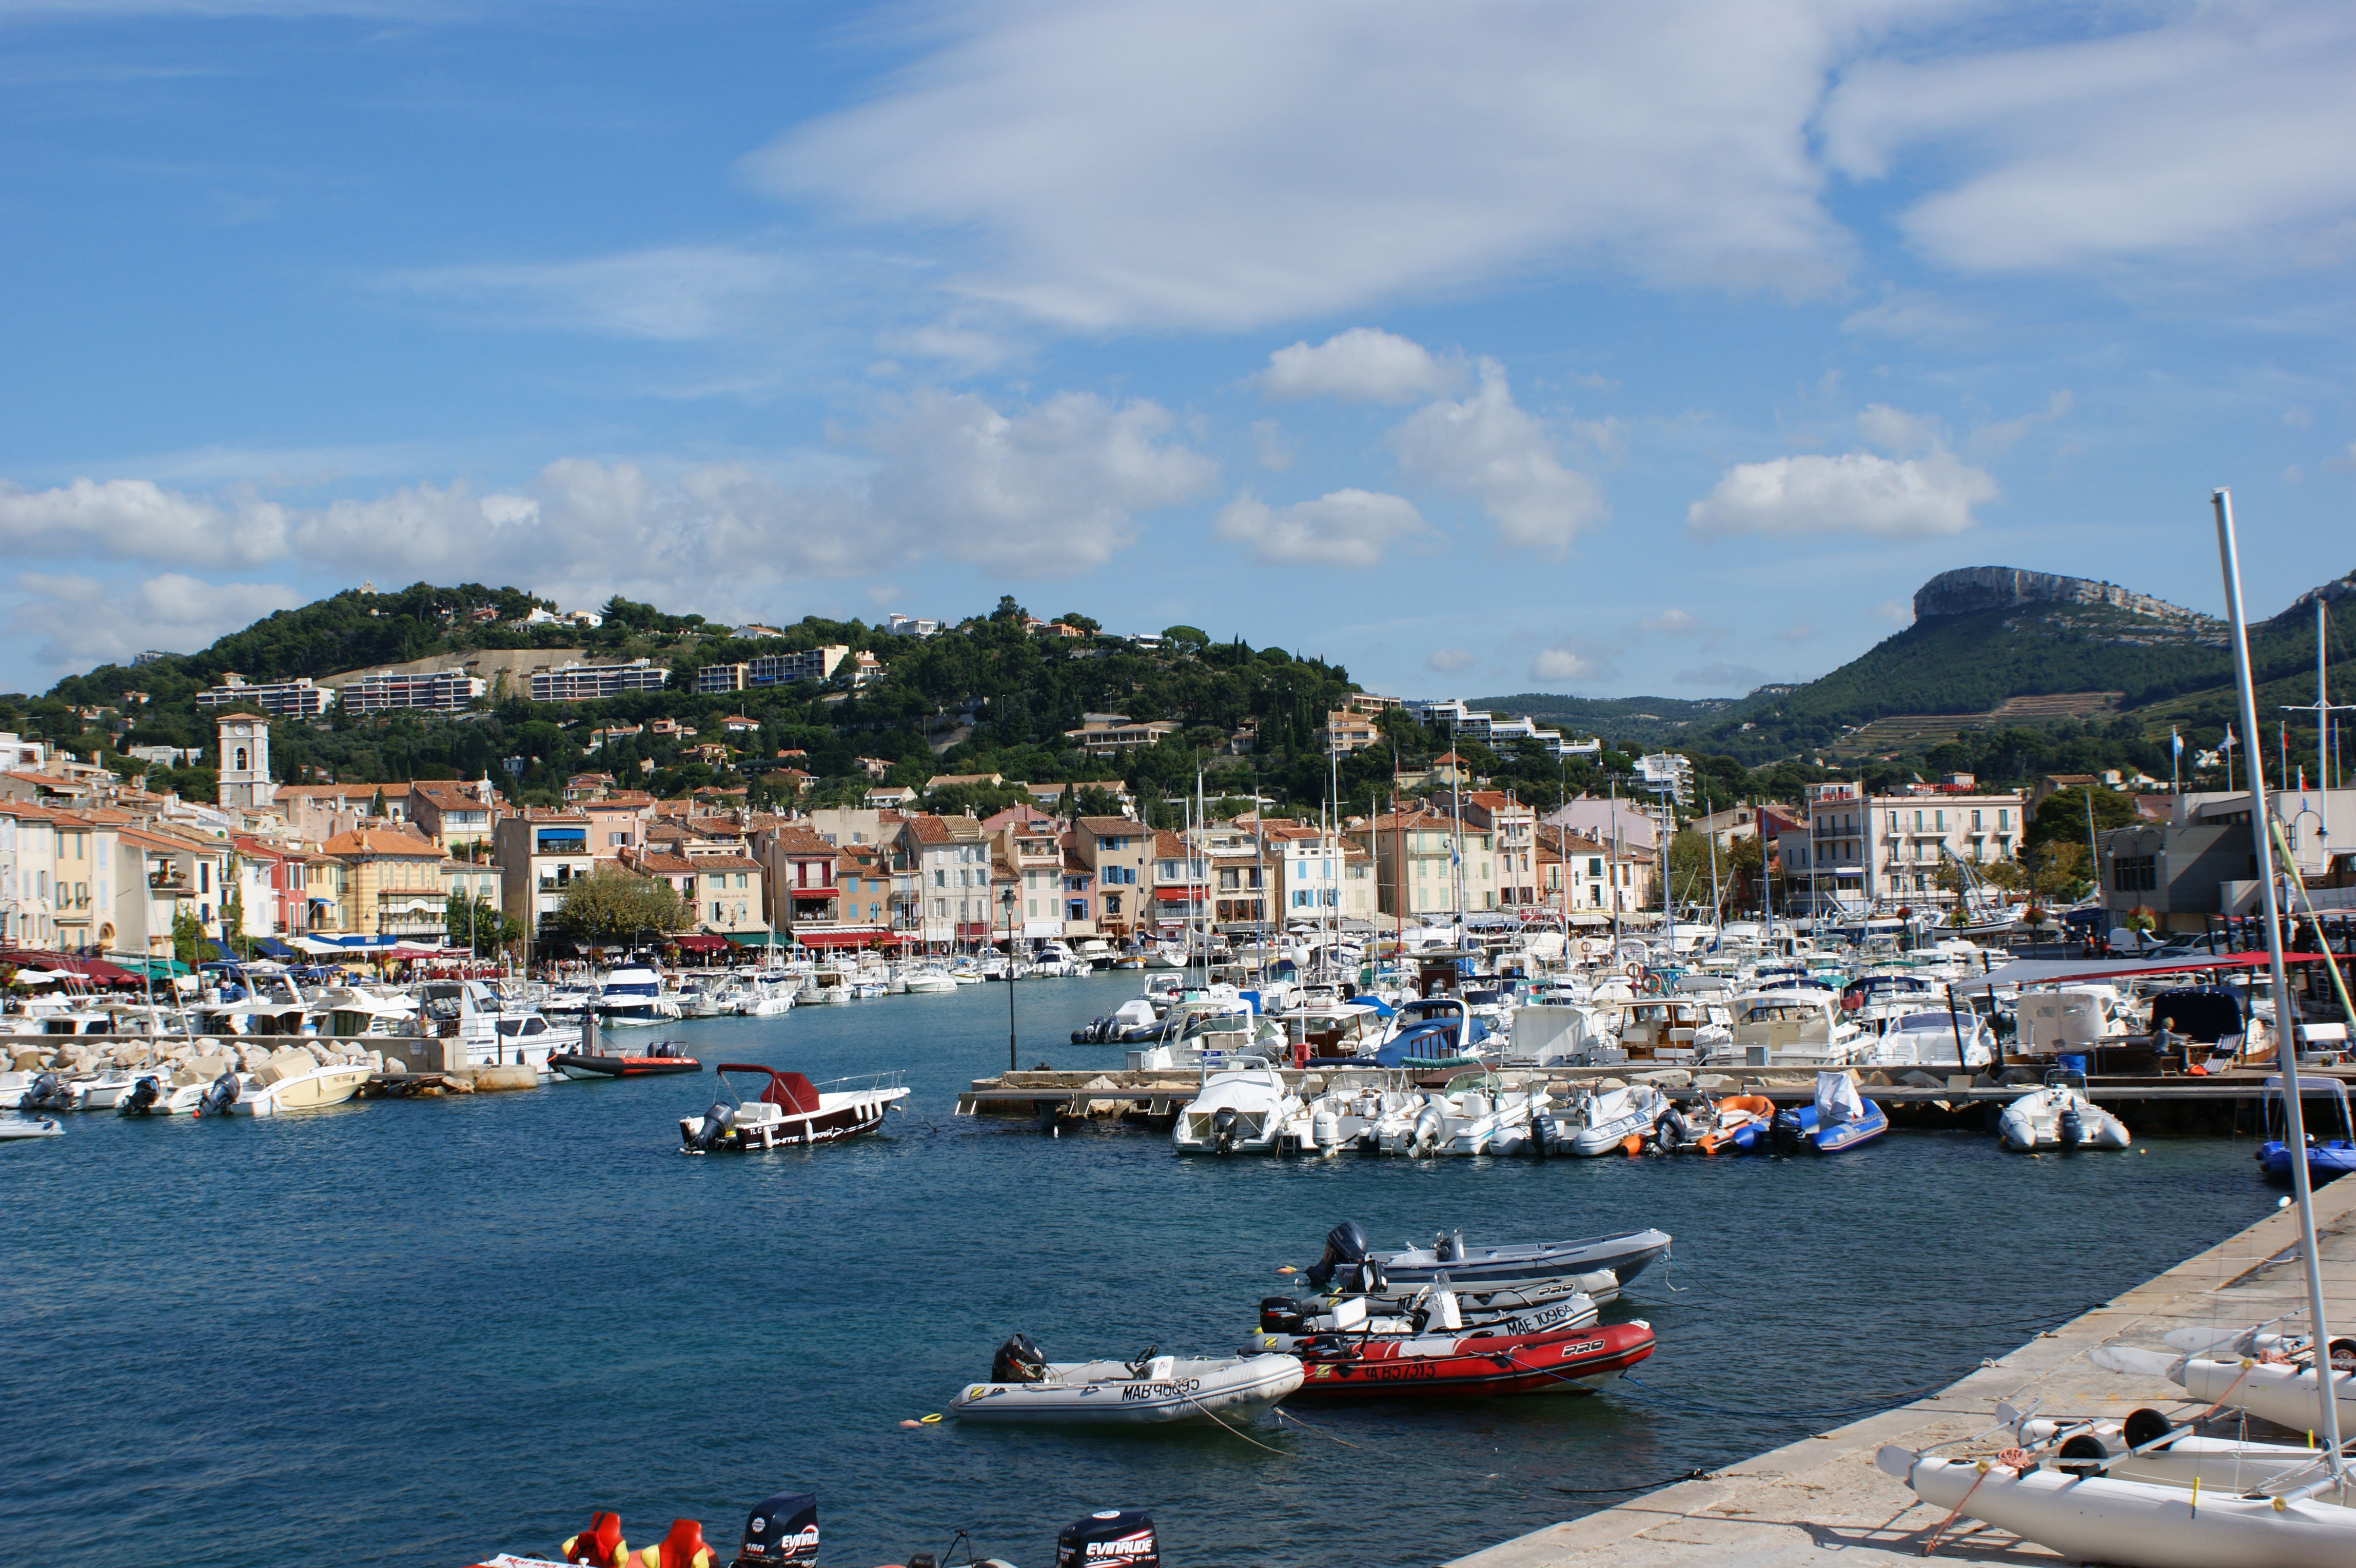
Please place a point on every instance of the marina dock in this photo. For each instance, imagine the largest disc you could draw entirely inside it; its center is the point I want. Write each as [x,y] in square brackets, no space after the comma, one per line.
[1822,1500]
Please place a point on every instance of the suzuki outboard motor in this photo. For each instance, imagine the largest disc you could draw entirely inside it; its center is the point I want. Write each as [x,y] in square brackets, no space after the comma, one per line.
[1223,1128]
[220,1096]
[1114,1537]
[2073,1129]
[1345,1243]
[1017,1361]
[782,1528]
[144,1094]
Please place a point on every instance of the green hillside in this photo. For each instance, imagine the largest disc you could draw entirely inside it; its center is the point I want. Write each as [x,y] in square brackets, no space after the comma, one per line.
[1644,723]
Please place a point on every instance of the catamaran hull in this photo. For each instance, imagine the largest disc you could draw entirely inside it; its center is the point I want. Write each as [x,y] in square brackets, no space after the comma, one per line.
[2133,1524]
[2285,1395]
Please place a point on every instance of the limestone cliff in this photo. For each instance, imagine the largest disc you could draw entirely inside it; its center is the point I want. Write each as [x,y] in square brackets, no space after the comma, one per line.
[1973,588]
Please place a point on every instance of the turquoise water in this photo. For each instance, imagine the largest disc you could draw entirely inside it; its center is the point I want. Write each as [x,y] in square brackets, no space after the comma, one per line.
[417,1331]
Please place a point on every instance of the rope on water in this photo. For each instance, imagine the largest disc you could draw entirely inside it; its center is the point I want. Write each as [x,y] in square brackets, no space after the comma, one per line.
[1206,1410]
[1284,1414]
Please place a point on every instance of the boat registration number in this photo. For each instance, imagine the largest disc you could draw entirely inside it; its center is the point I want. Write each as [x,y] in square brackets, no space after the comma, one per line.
[1178,1389]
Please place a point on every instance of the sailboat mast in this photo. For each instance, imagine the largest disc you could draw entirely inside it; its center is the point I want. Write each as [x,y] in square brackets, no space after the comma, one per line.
[2285,1023]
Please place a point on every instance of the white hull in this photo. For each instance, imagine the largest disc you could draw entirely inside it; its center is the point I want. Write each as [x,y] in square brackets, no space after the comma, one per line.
[2034,1122]
[16,1132]
[2283,1394]
[2133,1524]
[308,1092]
[1108,1393]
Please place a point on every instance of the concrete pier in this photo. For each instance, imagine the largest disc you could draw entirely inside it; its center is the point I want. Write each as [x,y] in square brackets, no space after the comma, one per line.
[1821,1501]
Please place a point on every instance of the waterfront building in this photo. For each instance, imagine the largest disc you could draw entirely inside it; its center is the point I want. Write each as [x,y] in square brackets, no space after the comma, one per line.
[2194,861]
[1851,850]
[949,895]
[771,669]
[1117,854]
[453,814]
[1511,830]
[1413,855]
[801,868]
[27,861]
[435,690]
[296,699]
[540,854]
[579,682]
[392,882]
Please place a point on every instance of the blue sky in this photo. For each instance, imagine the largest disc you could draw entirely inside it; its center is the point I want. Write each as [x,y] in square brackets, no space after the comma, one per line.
[1484,347]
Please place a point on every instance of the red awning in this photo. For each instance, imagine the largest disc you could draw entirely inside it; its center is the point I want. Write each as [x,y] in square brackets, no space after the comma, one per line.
[1179,895]
[698,942]
[96,969]
[846,937]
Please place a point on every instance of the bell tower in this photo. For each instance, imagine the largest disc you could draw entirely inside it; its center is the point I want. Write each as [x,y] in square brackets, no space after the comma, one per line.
[245,780]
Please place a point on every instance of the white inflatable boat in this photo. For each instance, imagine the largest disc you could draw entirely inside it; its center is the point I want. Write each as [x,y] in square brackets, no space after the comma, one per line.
[2135,1524]
[1603,1121]
[2060,1116]
[1151,1388]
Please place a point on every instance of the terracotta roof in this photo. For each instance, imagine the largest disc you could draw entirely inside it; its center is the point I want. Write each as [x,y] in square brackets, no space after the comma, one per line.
[656,862]
[1120,827]
[929,829]
[1169,845]
[382,841]
[795,839]
[724,862]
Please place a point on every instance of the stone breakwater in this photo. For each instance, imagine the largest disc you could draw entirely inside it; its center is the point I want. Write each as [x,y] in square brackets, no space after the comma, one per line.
[1968,589]
[189,1058]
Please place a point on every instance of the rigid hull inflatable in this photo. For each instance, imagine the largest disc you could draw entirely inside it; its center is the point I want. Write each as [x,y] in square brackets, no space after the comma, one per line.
[1152,1390]
[1571,1360]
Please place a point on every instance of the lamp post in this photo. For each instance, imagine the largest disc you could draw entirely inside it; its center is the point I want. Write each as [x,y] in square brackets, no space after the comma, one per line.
[1006,897]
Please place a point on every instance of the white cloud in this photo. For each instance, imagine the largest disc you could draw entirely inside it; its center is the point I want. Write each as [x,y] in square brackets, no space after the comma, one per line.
[1857,492]
[1673,623]
[1562,664]
[81,622]
[1897,612]
[1125,163]
[1045,492]
[1895,430]
[1491,447]
[1347,528]
[2211,131]
[1449,660]
[135,517]
[674,293]
[1913,316]
[1365,364]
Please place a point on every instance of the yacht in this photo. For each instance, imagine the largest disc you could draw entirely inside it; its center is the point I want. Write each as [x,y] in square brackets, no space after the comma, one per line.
[632,997]
[1957,1041]
[1800,1027]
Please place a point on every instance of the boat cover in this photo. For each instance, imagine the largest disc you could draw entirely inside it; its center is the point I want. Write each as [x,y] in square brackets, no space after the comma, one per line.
[789,1090]
[1837,1100]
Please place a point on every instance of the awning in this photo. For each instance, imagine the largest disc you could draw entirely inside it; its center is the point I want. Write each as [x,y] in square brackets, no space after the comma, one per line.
[758,940]
[842,937]
[701,941]
[1180,894]
[275,948]
[2061,971]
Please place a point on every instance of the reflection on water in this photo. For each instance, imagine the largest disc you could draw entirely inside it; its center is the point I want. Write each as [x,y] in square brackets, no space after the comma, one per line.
[414,1332]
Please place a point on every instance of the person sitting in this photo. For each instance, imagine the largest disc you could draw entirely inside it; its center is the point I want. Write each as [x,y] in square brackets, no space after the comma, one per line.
[600,1544]
[682,1547]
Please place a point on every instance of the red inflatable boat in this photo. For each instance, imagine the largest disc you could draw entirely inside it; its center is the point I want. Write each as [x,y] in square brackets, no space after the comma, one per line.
[1557,1361]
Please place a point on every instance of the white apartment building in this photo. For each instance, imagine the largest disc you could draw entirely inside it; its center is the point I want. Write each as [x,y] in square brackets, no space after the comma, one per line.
[1669,775]
[579,682]
[1850,848]
[29,854]
[296,699]
[1481,725]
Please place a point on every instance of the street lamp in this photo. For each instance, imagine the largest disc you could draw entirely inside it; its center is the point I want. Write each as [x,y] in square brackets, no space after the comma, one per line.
[1006,897]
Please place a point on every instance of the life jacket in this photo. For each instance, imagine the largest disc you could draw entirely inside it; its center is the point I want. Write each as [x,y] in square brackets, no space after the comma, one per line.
[682,1547]
[600,1544]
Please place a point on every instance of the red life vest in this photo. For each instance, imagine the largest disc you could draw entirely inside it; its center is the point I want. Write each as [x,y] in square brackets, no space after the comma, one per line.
[600,1544]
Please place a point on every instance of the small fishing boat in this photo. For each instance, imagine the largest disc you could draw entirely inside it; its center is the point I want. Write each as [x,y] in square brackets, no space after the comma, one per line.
[1443,1363]
[2060,1116]
[18,1128]
[669,1056]
[790,1113]
[2326,1157]
[1025,1386]
[1841,1119]
[2137,1523]
[1625,1253]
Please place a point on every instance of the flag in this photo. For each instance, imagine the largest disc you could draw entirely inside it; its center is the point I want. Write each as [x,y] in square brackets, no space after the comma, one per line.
[2175,741]
[2227,744]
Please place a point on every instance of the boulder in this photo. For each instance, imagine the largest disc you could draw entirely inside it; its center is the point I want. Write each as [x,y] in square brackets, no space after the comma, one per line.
[26,1059]
[393,1066]
[321,1057]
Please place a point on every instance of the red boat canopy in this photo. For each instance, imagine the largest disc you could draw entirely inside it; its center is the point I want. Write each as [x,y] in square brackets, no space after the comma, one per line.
[790,1090]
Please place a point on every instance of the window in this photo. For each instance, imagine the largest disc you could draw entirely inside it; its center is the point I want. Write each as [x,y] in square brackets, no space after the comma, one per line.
[2000,815]
[716,919]
[941,879]
[1976,823]
[2135,873]
[1595,868]
[741,884]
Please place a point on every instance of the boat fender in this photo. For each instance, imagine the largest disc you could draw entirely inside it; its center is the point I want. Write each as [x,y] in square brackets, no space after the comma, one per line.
[1017,1361]
[1634,1143]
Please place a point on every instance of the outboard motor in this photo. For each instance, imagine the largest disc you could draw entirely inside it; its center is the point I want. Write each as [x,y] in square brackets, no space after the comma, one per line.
[1281,1314]
[46,1092]
[220,1096]
[1449,1247]
[1543,1133]
[782,1528]
[142,1097]
[2071,1129]
[1427,1130]
[1785,1132]
[713,1130]
[1672,1130]
[1223,1128]
[1109,1537]
[1017,1361]
[1345,1243]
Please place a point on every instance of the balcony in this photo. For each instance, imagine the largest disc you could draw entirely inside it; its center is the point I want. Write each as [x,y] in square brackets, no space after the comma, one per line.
[170,884]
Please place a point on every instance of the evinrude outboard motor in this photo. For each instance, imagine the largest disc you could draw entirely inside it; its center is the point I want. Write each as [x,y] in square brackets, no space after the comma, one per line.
[1345,1243]
[2071,1129]
[220,1096]
[1109,1537]
[1223,1128]
[141,1100]
[46,1092]
[782,1528]
[1017,1361]
[713,1130]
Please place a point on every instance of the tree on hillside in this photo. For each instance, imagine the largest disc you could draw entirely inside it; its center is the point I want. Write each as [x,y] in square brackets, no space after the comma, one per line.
[611,906]
[2063,815]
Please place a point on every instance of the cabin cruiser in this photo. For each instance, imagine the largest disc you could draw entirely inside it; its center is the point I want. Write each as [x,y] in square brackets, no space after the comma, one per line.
[293,1080]
[632,997]
[1239,1110]
[790,1111]
[1871,1000]
[1548,1034]
[1431,1031]
[766,995]
[1197,1033]
[1674,1029]
[1957,1040]
[709,995]
[1794,1026]
[927,980]
[1354,1103]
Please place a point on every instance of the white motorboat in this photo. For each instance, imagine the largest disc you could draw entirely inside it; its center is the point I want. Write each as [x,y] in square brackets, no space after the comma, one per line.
[1525,1266]
[1474,1115]
[930,981]
[1941,1041]
[790,1111]
[297,1083]
[1347,1115]
[1798,1026]
[2136,1524]
[1025,1387]
[13,1129]
[633,998]
[1605,1120]
[1239,1110]
[2060,1116]
[766,997]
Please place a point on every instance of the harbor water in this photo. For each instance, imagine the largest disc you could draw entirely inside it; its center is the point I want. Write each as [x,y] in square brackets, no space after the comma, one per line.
[418,1332]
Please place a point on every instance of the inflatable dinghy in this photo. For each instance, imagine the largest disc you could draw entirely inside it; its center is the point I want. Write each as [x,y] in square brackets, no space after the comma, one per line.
[1568,1360]
[1471,1269]
[1025,1387]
